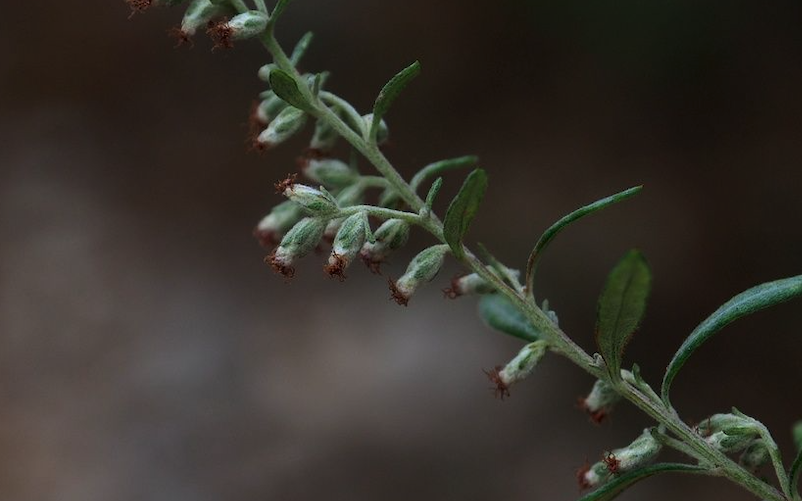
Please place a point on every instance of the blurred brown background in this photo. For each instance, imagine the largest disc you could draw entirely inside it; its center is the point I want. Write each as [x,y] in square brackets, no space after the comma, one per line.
[146,353]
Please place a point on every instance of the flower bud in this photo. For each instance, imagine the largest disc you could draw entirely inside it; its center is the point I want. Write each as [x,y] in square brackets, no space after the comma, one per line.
[423,268]
[728,432]
[637,454]
[351,195]
[324,137]
[264,72]
[382,133]
[273,226]
[600,401]
[297,243]
[288,122]
[329,172]
[755,456]
[391,235]
[346,244]
[199,14]
[269,108]
[240,27]
[468,284]
[315,202]
[517,369]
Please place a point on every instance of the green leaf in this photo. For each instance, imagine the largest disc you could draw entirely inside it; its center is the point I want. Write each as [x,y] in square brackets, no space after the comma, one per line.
[433,191]
[442,166]
[301,47]
[463,209]
[560,225]
[389,92]
[621,308]
[749,301]
[621,483]
[278,10]
[285,87]
[499,313]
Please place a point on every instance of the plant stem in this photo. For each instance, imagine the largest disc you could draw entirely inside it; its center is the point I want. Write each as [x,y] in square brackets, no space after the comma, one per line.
[692,443]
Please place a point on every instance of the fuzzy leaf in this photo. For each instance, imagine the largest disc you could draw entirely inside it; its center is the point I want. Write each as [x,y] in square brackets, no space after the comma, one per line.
[286,88]
[389,92]
[621,307]
[300,48]
[433,191]
[621,483]
[500,314]
[560,225]
[462,210]
[749,301]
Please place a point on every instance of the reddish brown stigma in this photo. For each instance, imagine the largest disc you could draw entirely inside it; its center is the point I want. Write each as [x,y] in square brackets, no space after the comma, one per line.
[597,417]
[374,265]
[612,463]
[138,5]
[501,389]
[337,268]
[286,183]
[221,34]
[581,476]
[281,268]
[453,292]
[266,238]
[396,294]
[181,37]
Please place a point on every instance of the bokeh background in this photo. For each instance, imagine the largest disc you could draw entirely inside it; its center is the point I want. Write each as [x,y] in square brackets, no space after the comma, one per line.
[147,353]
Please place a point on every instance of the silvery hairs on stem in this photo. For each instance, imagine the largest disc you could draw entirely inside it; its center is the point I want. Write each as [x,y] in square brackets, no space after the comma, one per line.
[335,207]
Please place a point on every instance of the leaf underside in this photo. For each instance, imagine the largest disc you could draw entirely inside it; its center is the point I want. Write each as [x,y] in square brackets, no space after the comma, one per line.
[621,307]
[752,300]
[462,210]
[285,87]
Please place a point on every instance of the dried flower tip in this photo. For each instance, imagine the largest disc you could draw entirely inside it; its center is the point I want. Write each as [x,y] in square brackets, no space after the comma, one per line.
[423,268]
[200,13]
[396,294]
[315,202]
[637,454]
[288,122]
[240,27]
[500,390]
[382,133]
[612,463]
[273,226]
[329,172]
[285,184]
[346,244]
[590,476]
[390,236]
[180,36]
[138,5]
[468,284]
[523,364]
[297,243]
[581,477]
[600,401]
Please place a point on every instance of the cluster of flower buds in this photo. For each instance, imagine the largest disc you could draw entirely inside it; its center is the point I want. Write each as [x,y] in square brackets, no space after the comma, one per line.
[732,433]
[390,236]
[517,369]
[637,454]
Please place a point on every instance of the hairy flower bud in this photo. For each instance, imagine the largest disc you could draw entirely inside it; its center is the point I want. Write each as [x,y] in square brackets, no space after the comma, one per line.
[351,195]
[468,284]
[273,226]
[264,72]
[637,454]
[517,369]
[423,268]
[297,243]
[288,122]
[346,244]
[315,202]
[391,235]
[755,456]
[199,13]
[240,27]
[329,172]
[600,401]
[728,432]
[269,107]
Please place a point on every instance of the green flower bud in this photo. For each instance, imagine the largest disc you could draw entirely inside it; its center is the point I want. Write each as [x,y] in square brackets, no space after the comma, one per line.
[600,401]
[755,456]
[315,202]
[346,244]
[468,284]
[329,172]
[240,27]
[423,268]
[383,132]
[729,443]
[270,107]
[199,14]
[518,368]
[264,72]
[297,243]
[273,226]
[637,454]
[351,195]
[391,235]
[729,423]
[324,137]
[288,122]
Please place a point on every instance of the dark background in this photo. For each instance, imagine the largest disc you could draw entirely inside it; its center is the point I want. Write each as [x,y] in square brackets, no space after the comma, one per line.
[147,353]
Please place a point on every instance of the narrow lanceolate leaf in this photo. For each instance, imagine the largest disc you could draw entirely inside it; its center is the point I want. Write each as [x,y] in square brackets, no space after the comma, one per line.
[286,88]
[281,5]
[500,314]
[621,307]
[560,225]
[441,166]
[300,48]
[749,301]
[433,191]
[621,483]
[463,209]
[389,92]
